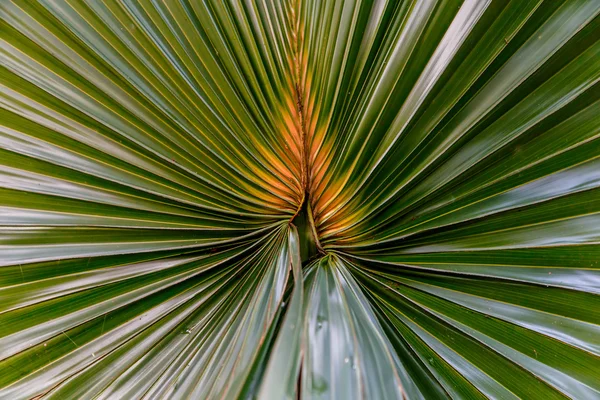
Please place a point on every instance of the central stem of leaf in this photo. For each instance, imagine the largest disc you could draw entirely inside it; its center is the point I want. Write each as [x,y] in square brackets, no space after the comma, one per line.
[307,232]
[303,219]
[304,159]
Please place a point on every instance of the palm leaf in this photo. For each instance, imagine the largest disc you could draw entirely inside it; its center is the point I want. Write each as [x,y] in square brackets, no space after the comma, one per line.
[336,199]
